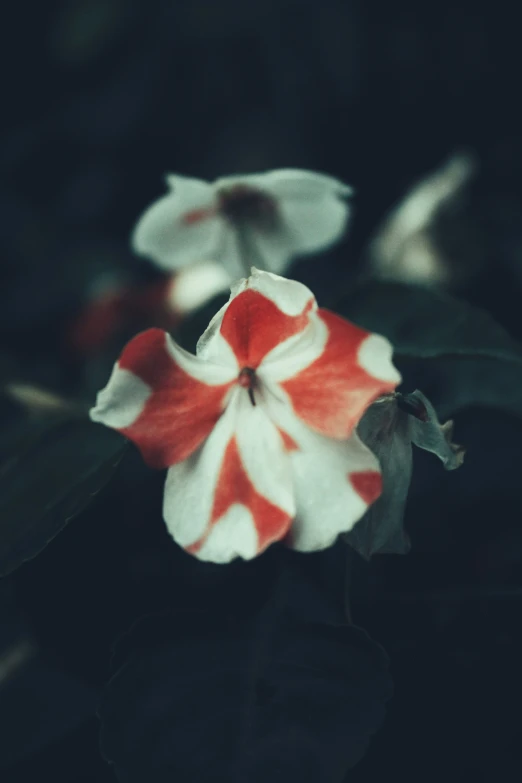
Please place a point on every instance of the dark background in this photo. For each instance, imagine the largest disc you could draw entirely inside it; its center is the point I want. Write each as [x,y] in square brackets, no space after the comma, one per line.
[100,98]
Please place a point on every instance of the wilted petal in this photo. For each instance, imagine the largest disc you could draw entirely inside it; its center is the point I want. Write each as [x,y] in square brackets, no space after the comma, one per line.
[355,368]
[162,398]
[429,434]
[182,227]
[334,481]
[233,497]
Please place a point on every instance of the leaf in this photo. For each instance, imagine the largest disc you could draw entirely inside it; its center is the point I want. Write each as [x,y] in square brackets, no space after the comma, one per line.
[49,479]
[429,434]
[388,428]
[202,696]
[462,356]
[384,428]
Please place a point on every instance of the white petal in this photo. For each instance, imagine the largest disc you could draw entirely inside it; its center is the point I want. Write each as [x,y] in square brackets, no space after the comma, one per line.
[163,235]
[234,536]
[190,486]
[312,207]
[212,346]
[195,285]
[262,453]
[288,182]
[327,502]
[289,296]
[314,223]
[213,373]
[375,356]
[122,401]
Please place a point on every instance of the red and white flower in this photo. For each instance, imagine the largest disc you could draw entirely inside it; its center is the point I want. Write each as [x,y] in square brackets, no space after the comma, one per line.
[263,219]
[257,429]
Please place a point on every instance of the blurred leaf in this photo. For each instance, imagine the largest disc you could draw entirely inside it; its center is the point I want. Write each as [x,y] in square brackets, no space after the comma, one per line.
[416,243]
[467,357]
[49,478]
[388,428]
[38,400]
[201,696]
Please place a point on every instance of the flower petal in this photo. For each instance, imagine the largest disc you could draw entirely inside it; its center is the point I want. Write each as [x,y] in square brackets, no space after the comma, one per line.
[334,481]
[262,312]
[332,393]
[312,209]
[194,285]
[182,227]
[273,250]
[288,182]
[293,355]
[162,398]
[315,223]
[233,497]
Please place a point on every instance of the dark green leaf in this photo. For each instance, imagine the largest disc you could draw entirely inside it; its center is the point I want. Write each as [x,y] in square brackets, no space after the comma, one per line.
[388,428]
[429,434]
[201,696]
[426,323]
[384,428]
[48,479]
[457,353]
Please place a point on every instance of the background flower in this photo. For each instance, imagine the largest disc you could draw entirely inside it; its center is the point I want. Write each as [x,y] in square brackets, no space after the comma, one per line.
[265,219]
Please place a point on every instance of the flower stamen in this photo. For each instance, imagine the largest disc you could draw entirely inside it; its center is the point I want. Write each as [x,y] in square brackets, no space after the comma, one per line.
[242,204]
[247,380]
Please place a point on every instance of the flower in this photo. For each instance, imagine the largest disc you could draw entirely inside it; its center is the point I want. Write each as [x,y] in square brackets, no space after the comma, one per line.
[257,429]
[257,218]
[117,307]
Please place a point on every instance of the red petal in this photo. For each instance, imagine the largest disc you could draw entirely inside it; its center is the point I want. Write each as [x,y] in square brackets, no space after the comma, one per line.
[288,442]
[334,391]
[367,484]
[197,215]
[253,325]
[234,486]
[181,411]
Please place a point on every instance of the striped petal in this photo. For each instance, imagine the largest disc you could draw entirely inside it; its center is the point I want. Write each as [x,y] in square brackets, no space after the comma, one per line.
[163,399]
[333,391]
[234,496]
[334,481]
[263,311]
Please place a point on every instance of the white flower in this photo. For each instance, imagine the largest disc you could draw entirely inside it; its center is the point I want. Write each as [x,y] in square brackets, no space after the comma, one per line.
[262,219]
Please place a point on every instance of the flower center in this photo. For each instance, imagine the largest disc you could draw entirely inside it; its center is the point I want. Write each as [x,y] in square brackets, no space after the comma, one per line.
[247,379]
[244,204]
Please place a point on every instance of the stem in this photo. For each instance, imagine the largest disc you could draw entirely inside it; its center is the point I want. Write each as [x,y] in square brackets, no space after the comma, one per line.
[248,252]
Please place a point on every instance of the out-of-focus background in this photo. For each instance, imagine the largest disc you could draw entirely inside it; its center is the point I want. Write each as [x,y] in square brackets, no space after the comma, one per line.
[101,98]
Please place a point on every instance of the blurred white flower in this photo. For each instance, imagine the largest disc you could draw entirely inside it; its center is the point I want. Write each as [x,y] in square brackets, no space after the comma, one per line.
[262,219]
